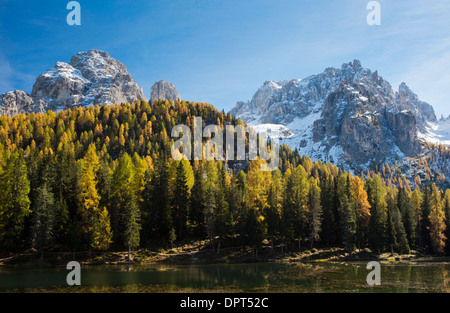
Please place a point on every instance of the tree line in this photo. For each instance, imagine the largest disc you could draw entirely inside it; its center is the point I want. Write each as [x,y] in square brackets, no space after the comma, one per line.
[101,178]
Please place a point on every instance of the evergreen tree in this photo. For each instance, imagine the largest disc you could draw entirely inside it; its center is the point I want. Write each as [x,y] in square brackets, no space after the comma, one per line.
[406,209]
[132,226]
[256,229]
[223,220]
[315,211]
[424,222]
[157,203]
[329,205]
[43,220]
[14,200]
[376,193]
[180,201]
[396,234]
[347,211]
[197,204]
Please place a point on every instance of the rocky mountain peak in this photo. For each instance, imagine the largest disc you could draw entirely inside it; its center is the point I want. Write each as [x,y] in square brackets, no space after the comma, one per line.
[162,90]
[348,115]
[406,99]
[96,65]
[91,78]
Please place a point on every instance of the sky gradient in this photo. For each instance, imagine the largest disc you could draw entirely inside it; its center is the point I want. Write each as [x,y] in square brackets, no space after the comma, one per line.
[220,51]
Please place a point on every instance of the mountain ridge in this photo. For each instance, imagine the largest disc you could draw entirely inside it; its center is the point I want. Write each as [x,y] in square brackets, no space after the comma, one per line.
[92,77]
[350,116]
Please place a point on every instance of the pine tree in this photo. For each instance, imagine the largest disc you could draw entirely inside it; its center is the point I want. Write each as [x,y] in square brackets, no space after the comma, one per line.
[43,219]
[289,210]
[376,193]
[223,220]
[197,204]
[347,211]
[256,229]
[424,223]
[315,211]
[329,205]
[406,209]
[14,200]
[131,221]
[180,201]
[157,203]
[396,234]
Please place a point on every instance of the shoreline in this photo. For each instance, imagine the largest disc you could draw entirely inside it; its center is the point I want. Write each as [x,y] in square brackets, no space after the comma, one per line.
[187,255]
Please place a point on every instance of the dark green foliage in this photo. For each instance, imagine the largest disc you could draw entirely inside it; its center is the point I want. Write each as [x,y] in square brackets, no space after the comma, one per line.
[180,202]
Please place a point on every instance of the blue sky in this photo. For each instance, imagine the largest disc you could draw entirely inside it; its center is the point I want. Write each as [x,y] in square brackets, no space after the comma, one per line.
[220,51]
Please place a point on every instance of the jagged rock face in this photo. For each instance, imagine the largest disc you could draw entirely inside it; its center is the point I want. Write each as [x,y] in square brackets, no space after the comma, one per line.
[349,116]
[370,136]
[91,78]
[15,102]
[63,85]
[164,91]
[408,100]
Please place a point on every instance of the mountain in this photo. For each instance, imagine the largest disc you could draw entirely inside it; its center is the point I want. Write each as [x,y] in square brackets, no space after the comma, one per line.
[91,78]
[350,116]
[437,132]
[164,91]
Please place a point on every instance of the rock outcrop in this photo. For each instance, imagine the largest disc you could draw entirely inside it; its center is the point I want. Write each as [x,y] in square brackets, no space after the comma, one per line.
[164,91]
[16,102]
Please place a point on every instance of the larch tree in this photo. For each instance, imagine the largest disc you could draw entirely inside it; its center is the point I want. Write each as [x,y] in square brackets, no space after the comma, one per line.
[362,211]
[437,221]
[88,195]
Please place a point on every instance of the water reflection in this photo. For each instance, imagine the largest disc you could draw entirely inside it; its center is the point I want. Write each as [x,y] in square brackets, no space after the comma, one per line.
[267,277]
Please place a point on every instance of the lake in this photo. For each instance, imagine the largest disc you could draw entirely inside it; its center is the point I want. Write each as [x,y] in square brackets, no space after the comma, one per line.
[257,277]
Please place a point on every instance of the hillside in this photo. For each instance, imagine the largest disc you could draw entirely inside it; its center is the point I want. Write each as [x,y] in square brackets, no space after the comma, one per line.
[101,178]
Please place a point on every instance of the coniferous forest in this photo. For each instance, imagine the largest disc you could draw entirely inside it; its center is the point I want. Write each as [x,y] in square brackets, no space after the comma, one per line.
[102,178]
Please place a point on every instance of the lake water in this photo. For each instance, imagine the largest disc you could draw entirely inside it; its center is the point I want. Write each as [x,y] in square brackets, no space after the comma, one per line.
[258,277]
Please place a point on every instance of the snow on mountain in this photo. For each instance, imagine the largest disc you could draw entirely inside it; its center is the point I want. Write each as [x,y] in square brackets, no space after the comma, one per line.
[349,116]
[437,132]
[91,78]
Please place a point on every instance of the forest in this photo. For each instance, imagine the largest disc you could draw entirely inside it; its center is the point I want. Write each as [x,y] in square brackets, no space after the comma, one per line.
[101,179]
